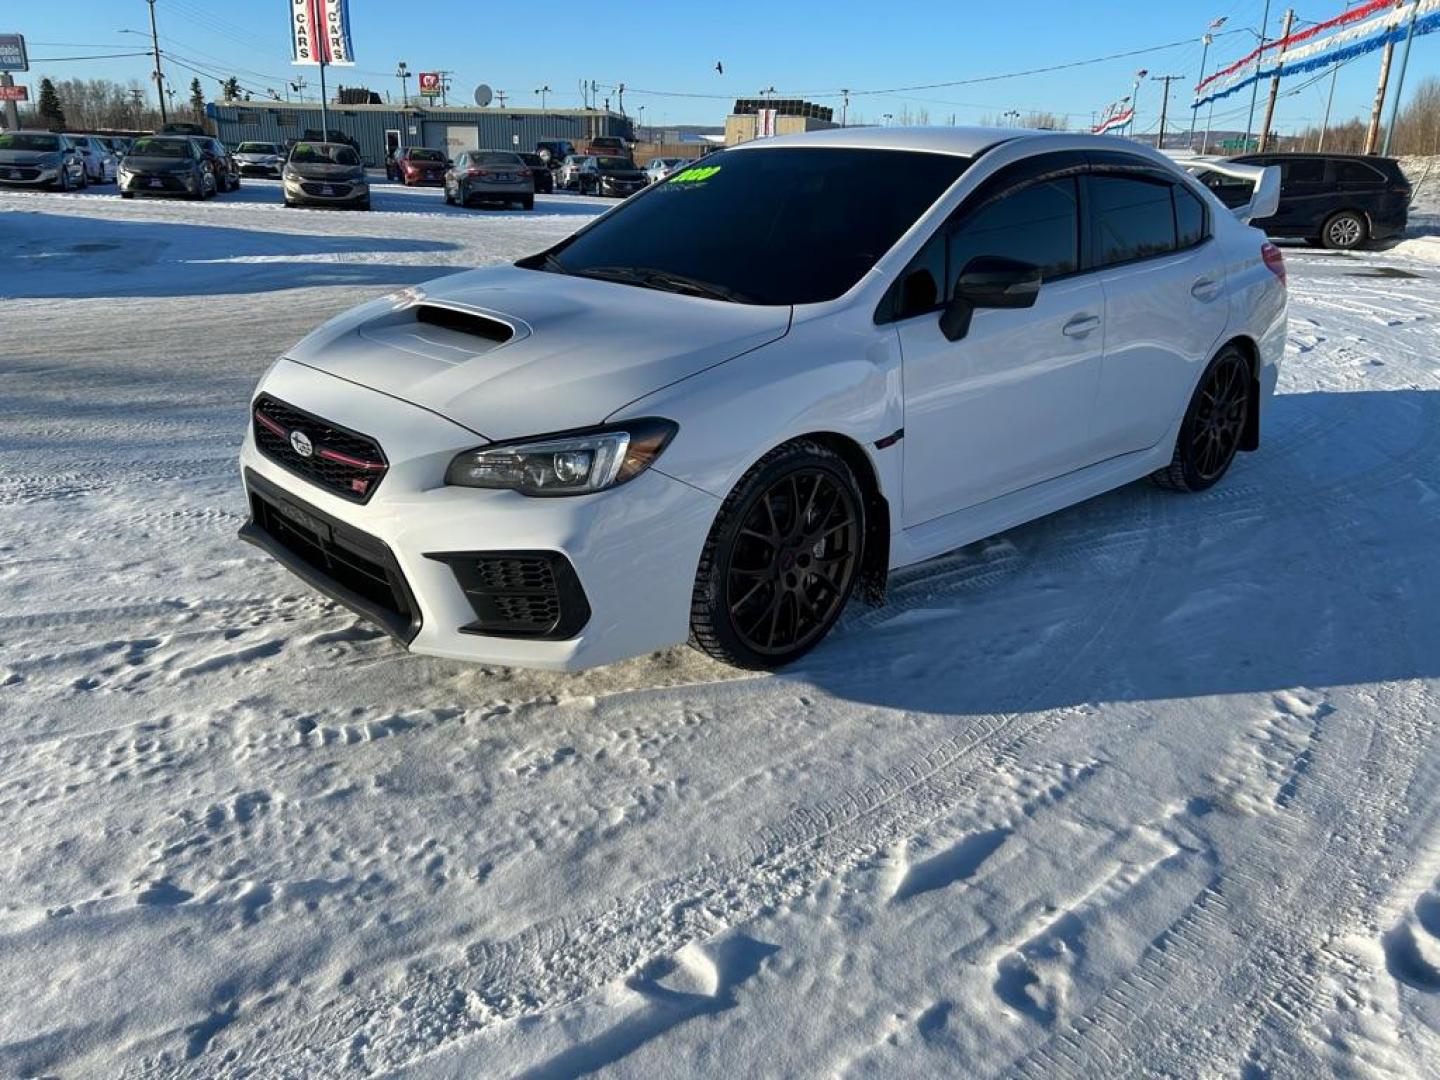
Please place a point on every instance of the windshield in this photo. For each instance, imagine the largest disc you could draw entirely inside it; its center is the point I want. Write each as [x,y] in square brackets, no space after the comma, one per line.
[782,226]
[166,148]
[427,155]
[323,154]
[257,148]
[25,141]
[615,163]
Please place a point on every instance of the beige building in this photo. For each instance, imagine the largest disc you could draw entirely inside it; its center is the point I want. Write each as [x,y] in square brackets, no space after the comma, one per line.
[755,118]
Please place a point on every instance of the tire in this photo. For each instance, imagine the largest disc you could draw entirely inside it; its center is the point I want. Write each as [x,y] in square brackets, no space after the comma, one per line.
[528,204]
[449,199]
[127,194]
[364,205]
[796,510]
[1344,231]
[1214,425]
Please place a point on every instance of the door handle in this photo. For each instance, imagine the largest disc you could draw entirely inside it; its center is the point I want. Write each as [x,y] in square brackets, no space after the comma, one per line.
[1205,289]
[1081,325]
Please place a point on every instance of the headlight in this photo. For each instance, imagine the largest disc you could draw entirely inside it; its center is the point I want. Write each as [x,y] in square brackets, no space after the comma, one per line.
[291,177]
[565,464]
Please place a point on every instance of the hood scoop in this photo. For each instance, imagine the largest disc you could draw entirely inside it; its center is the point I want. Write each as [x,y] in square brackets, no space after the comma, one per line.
[441,336]
[465,322]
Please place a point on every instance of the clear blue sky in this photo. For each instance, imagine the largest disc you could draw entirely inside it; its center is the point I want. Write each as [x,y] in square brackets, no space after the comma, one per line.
[666,51]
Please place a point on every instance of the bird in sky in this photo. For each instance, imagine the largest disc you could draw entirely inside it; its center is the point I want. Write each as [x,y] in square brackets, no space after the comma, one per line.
[720,67]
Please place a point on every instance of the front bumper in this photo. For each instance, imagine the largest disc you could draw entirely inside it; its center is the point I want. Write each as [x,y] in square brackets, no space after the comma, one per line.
[158,183]
[322,193]
[633,550]
[28,176]
[255,168]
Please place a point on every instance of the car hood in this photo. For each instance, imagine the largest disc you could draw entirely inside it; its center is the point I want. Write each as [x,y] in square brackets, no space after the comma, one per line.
[26,157]
[309,171]
[256,155]
[578,350]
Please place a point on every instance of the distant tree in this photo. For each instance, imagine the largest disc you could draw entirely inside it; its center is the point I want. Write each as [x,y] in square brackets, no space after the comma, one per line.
[231,88]
[52,113]
[197,99]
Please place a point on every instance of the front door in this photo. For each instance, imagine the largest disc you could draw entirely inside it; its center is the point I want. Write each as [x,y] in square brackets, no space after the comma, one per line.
[1008,405]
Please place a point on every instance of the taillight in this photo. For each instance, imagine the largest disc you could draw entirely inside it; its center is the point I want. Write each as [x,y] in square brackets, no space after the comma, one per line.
[1274,261]
[476,172]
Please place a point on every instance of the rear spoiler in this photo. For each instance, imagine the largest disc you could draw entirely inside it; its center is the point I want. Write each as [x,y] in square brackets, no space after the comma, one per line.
[1264,178]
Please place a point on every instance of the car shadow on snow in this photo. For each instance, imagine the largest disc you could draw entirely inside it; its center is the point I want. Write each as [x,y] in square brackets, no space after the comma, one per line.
[1316,562]
[53,256]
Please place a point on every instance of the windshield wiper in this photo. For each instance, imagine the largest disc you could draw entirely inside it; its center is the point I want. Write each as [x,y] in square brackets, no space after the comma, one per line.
[666,281]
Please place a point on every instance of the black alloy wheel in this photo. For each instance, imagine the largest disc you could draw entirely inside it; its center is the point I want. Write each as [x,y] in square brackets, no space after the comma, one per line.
[1214,425]
[781,559]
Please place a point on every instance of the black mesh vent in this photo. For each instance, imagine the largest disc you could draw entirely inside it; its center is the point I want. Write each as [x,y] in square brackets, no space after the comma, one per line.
[341,461]
[520,593]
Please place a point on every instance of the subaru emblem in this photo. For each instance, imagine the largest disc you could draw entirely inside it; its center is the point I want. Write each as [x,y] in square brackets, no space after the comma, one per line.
[300,443]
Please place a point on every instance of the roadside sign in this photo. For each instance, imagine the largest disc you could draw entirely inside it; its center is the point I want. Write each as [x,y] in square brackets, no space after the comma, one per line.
[12,53]
[430,83]
[14,93]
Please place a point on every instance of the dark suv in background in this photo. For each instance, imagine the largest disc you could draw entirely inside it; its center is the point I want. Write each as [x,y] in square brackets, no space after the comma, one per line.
[1336,200]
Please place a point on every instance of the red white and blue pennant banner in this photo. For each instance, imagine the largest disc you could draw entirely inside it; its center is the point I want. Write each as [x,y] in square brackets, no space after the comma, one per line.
[1360,30]
[320,32]
[1116,118]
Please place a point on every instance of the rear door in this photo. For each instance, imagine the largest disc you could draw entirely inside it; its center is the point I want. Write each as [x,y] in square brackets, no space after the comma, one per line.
[1307,196]
[1165,302]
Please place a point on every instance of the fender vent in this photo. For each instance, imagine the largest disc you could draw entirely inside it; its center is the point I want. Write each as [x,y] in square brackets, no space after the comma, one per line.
[464,322]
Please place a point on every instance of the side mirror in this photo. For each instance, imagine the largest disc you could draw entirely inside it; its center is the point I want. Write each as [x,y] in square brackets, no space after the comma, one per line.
[989,281]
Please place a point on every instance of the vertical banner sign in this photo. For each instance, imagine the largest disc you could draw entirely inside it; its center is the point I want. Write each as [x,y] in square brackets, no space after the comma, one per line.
[320,32]
[765,122]
[430,84]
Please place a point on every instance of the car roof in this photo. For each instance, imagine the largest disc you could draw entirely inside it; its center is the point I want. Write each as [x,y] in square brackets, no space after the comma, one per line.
[960,141]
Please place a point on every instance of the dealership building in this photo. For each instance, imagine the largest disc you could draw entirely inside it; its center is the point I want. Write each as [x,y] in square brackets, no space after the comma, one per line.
[451,128]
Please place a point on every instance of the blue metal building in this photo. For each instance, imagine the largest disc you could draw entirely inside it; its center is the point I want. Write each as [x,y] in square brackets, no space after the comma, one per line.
[375,127]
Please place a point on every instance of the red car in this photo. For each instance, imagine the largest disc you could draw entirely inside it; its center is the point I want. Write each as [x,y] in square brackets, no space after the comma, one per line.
[417,165]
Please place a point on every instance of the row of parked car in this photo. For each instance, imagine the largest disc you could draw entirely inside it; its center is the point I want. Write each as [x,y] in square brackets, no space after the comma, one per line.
[195,166]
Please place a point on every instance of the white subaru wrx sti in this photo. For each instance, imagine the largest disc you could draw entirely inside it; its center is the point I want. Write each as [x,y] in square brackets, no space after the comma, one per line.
[718,409]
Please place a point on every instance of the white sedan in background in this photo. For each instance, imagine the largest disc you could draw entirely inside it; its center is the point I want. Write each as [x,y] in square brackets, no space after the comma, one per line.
[661,168]
[718,410]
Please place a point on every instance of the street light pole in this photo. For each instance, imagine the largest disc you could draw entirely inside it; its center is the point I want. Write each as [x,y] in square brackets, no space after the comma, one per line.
[542,92]
[1255,87]
[1194,108]
[159,74]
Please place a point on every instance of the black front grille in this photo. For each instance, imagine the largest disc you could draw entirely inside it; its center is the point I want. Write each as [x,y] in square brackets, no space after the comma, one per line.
[259,170]
[341,561]
[21,173]
[341,461]
[534,594]
[326,191]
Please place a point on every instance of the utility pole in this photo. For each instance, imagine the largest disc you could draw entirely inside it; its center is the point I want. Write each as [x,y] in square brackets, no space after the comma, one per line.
[1275,83]
[620,97]
[159,75]
[1206,42]
[845,107]
[1255,87]
[502,96]
[542,92]
[1400,82]
[402,72]
[1164,105]
[1372,134]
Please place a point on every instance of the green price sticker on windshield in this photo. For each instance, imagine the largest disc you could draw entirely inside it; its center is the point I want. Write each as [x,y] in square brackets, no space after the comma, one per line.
[695,176]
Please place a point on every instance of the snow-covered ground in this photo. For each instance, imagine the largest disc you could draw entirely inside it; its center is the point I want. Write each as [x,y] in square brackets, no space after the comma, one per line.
[1151,786]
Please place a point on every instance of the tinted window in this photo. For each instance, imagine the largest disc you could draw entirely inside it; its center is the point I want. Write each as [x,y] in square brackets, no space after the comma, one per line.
[1189,218]
[1039,224]
[26,141]
[420,154]
[919,286]
[1132,217]
[165,148]
[495,157]
[784,226]
[1303,171]
[1357,172]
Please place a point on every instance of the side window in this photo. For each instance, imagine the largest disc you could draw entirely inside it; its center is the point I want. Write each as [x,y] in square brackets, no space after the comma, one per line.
[1302,171]
[1189,218]
[1039,224]
[1132,217]
[1356,173]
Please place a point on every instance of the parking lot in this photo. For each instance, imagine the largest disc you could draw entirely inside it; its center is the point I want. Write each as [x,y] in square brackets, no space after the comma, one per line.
[1178,756]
